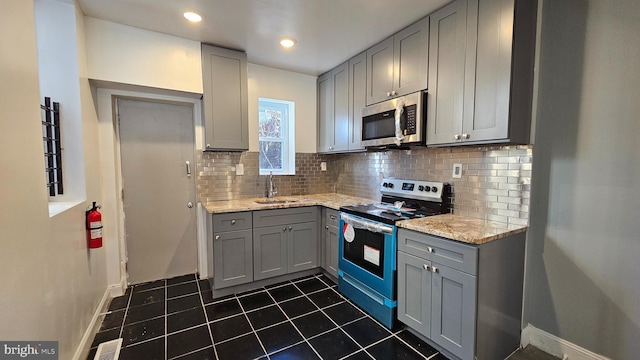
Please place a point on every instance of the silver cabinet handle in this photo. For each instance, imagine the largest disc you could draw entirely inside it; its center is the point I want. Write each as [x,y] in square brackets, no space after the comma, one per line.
[434,269]
[284,228]
[290,228]
[394,93]
[388,93]
[456,136]
[217,237]
[188,168]
[233,222]
[208,146]
[190,205]
[426,267]
[332,217]
[466,136]
[429,249]
[326,227]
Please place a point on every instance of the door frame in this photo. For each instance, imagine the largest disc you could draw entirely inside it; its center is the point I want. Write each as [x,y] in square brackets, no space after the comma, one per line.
[110,158]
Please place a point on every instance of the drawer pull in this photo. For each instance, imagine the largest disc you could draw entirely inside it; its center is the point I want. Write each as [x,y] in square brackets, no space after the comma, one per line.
[434,269]
[217,237]
[233,222]
[430,249]
[332,217]
[426,267]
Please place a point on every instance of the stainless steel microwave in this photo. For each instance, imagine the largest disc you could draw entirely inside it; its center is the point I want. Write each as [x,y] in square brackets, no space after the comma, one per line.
[379,121]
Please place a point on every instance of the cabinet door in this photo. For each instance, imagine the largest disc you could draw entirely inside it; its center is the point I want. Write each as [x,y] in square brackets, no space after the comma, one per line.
[225,98]
[453,315]
[410,53]
[414,293]
[340,108]
[302,246]
[233,258]
[325,112]
[447,47]
[331,250]
[380,71]
[357,99]
[269,251]
[488,80]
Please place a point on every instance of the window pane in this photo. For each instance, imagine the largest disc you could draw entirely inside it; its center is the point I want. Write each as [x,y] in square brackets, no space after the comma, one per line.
[271,155]
[270,124]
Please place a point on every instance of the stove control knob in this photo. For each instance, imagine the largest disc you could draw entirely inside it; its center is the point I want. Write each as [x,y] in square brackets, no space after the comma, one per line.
[427,188]
[420,188]
[434,189]
[385,184]
[390,185]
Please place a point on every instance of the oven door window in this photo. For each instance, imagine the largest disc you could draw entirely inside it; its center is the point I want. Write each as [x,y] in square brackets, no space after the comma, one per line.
[366,250]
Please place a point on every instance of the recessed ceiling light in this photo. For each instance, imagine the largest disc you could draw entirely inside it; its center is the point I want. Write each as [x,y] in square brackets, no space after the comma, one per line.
[287,42]
[192,16]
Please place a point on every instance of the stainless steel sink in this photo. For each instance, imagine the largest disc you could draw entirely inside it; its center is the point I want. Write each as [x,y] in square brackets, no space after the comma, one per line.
[275,201]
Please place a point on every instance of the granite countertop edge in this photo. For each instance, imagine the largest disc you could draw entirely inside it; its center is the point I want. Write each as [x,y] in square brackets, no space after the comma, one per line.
[451,226]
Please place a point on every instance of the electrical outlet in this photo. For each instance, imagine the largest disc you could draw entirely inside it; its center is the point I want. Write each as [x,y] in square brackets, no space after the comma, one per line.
[457,171]
[239,169]
[323,166]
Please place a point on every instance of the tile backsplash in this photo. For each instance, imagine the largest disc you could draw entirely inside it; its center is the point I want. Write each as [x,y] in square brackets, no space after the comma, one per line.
[495,183]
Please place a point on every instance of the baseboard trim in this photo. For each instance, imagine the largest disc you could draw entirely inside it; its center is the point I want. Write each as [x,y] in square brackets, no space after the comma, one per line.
[85,344]
[556,346]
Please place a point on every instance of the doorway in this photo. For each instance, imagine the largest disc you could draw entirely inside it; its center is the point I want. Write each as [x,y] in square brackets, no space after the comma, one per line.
[158,188]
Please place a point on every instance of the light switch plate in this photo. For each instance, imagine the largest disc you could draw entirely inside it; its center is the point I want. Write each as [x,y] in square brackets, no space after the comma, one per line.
[323,166]
[457,171]
[239,169]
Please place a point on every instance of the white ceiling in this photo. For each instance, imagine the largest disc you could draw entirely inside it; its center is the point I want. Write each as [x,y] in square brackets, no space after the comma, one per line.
[328,31]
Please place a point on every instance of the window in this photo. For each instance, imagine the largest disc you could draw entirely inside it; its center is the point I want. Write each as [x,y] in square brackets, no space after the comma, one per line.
[276,136]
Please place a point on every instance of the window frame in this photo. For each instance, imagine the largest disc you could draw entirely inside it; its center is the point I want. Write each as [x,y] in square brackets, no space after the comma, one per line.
[287,138]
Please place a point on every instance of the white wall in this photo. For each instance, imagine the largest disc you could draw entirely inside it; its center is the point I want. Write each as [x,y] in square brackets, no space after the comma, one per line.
[273,83]
[58,77]
[52,283]
[128,55]
[584,240]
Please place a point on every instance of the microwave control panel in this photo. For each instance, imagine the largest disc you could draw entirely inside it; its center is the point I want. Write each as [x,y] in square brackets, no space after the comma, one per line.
[410,116]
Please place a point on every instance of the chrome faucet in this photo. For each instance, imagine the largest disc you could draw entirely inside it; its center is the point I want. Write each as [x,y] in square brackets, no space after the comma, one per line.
[272,188]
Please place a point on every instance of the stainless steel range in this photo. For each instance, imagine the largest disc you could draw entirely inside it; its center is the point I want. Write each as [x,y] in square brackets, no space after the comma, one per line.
[368,241]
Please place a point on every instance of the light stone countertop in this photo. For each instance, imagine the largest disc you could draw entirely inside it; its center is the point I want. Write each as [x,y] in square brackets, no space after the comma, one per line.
[330,200]
[462,228]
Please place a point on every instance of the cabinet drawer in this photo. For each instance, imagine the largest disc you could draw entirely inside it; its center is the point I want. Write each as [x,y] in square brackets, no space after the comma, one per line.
[331,217]
[284,216]
[232,221]
[445,252]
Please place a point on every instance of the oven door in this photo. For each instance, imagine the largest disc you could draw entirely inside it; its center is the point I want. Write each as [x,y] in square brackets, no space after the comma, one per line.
[367,252]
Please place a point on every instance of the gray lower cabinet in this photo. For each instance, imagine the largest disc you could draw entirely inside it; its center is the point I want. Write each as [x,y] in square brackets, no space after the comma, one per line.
[284,241]
[269,251]
[224,98]
[232,249]
[465,299]
[330,242]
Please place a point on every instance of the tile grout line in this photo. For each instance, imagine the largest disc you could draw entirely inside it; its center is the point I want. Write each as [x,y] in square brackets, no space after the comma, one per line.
[252,328]
[166,325]
[206,318]
[126,311]
[304,338]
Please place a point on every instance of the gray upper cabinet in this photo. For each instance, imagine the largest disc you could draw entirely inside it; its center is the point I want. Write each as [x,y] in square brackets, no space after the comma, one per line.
[340,101]
[487,96]
[446,73]
[225,99]
[357,99]
[333,110]
[406,54]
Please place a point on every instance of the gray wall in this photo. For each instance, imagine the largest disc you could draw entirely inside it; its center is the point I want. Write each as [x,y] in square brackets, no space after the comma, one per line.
[583,271]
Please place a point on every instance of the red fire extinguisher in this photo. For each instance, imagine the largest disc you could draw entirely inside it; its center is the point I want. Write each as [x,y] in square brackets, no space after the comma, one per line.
[94,226]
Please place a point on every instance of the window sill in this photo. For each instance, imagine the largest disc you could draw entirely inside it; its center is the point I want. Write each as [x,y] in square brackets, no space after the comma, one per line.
[56,208]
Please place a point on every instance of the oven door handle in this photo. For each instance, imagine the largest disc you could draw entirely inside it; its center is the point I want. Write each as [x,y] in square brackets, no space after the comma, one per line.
[366,224]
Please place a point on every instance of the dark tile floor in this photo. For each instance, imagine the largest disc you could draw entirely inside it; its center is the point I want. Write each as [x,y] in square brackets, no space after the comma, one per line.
[301,319]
